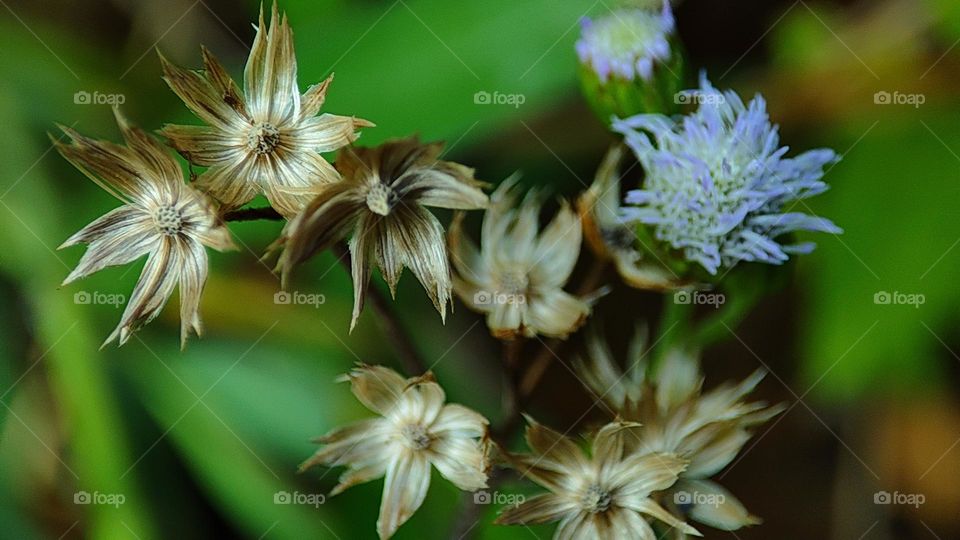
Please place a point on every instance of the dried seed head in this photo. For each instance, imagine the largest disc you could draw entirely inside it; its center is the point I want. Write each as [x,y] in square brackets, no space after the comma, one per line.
[415,436]
[381,198]
[596,499]
[168,220]
[263,138]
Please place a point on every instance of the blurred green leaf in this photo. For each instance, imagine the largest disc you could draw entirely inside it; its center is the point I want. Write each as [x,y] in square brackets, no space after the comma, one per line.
[902,245]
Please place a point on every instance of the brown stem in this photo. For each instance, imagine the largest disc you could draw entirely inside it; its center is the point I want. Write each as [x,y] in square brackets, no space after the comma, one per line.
[538,367]
[253,214]
[413,364]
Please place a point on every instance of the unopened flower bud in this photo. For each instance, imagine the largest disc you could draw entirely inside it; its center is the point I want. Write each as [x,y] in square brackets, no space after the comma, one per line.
[630,62]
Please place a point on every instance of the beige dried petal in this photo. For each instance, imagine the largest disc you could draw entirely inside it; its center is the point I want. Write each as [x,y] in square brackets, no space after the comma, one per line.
[610,239]
[405,488]
[543,508]
[720,509]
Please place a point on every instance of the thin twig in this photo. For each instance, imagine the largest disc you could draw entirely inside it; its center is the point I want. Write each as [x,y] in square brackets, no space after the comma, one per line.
[407,352]
[253,214]
[538,367]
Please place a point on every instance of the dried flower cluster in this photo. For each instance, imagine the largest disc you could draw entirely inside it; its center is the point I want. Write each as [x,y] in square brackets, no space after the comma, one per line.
[716,191]
[708,429]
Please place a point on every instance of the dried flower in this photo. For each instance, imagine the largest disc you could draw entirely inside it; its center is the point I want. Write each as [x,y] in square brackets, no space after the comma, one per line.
[382,200]
[161,216]
[517,276]
[707,428]
[602,495]
[717,184]
[267,138]
[610,238]
[415,430]
[627,43]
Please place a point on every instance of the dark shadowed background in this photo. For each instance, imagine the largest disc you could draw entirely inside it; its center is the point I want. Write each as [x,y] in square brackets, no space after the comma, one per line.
[199,443]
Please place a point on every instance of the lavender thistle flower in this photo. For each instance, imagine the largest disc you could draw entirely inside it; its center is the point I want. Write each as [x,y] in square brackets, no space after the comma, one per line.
[717,184]
[626,43]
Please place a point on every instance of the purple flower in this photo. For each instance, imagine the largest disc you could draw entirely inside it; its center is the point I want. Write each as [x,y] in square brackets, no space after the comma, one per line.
[718,187]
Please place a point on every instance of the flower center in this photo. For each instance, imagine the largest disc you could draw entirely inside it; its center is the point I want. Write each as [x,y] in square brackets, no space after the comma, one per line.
[263,138]
[168,220]
[596,499]
[415,436]
[380,199]
[514,282]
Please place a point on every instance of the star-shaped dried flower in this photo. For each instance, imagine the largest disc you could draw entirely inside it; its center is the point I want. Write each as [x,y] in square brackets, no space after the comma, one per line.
[162,216]
[718,188]
[517,275]
[265,139]
[707,428]
[414,431]
[381,201]
[610,238]
[604,494]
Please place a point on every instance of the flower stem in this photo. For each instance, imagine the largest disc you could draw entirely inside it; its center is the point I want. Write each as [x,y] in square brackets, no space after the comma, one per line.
[253,214]
[413,364]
